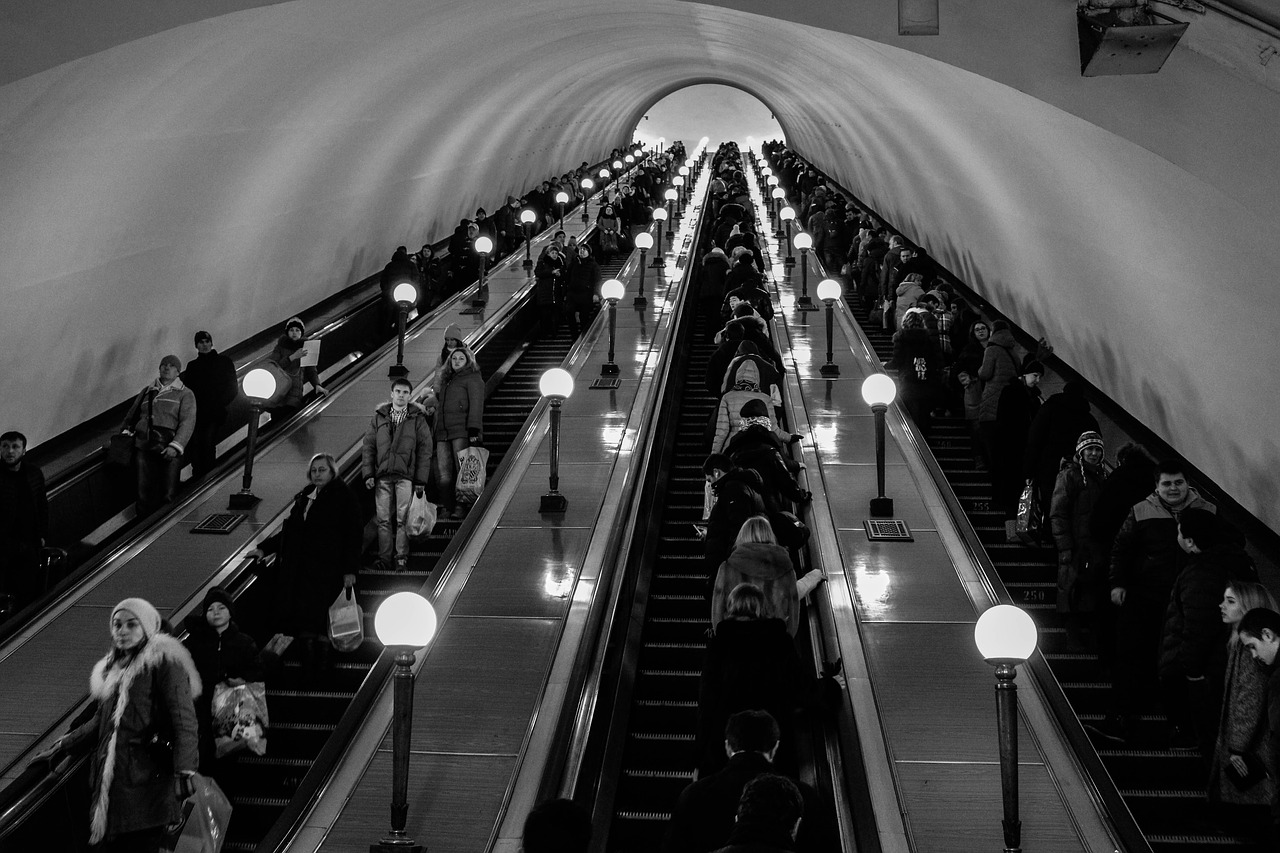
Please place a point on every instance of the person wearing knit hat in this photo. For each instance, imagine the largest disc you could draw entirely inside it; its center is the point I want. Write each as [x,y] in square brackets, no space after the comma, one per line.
[453,339]
[287,356]
[146,680]
[223,655]
[161,420]
[1082,565]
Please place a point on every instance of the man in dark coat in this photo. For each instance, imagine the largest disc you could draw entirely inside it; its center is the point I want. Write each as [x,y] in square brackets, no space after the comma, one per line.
[506,221]
[548,287]
[1055,430]
[769,816]
[1193,646]
[704,816]
[1260,634]
[212,378]
[24,524]
[730,338]
[1145,562]
[737,498]
[715,268]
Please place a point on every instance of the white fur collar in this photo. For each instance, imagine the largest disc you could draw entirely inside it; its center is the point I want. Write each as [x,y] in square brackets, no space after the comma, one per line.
[160,647]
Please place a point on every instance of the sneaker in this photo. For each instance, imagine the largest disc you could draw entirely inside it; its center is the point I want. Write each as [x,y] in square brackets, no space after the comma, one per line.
[402,564]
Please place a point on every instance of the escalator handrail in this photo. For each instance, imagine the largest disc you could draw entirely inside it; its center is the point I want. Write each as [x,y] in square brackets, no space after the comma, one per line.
[1260,535]
[1101,789]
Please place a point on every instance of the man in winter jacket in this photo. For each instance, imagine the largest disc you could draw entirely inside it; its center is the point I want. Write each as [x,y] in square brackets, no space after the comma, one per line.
[737,498]
[1192,658]
[212,378]
[1145,562]
[396,460]
[24,523]
[161,420]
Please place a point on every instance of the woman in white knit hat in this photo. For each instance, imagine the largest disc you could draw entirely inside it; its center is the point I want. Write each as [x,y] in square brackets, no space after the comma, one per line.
[144,734]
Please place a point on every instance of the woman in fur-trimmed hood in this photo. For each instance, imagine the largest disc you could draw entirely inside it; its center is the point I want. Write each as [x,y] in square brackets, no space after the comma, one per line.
[144,687]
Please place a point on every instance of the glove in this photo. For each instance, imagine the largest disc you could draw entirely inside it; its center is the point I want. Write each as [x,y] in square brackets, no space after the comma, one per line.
[473,435]
[795,436]
[830,669]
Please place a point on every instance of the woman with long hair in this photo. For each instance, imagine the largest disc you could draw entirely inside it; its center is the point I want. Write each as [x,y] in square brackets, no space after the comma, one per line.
[1242,726]
[144,733]
[459,395]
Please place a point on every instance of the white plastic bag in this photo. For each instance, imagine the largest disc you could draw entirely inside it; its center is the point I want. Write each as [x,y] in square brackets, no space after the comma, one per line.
[471,473]
[346,621]
[422,516]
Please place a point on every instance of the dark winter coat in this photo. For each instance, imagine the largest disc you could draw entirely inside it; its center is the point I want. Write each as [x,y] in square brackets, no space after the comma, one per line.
[1146,554]
[719,363]
[1126,485]
[314,553]
[918,362]
[1242,729]
[460,410]
[218,658]
[753,330]
[280,357]
[398,452]
[1054,433]
[24,508]
[1081,564]
[751,663]
[737,499]
[132,785]
[583,284]
[763,565]
[1194,637]
[212,378]
[999,368]
[703,817]
[548,286]
[715,269]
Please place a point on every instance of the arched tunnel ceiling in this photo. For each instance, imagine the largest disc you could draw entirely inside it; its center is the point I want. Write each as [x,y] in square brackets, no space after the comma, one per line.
[223,171]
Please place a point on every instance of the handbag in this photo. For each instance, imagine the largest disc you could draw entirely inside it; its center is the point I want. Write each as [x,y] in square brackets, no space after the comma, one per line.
[346,621]
[1026,528]
[202,828]
[422,516]
[471,473]
[120,450]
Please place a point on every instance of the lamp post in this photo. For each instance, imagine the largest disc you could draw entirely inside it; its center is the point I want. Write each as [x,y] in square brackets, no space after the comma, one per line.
[611,291]
[617,165]
[638,153]
[587,185]
[527,218]
[878,390]
[404,622]
[1005,637]
[670,197]
[660,216]
[644,242]
[259,385]
[765,174]
[786,215]
[682,178]
[775,195]
[405,295]
[604,176]
[562,198]
[629,159]
[556,384]
[483,246]
[804,242]
[829,292]
[678,180]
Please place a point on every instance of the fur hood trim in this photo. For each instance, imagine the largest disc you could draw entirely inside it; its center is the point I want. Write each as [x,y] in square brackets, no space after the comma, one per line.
[106,681]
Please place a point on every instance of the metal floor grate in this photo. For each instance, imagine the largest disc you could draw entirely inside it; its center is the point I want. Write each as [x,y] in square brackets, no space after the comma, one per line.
[892,530]
[219,522]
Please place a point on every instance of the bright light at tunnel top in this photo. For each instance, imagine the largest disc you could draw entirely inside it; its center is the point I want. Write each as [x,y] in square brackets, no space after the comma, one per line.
[709,114]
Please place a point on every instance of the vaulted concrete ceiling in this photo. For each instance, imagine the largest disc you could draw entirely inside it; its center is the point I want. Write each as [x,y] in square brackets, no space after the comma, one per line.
[220,164]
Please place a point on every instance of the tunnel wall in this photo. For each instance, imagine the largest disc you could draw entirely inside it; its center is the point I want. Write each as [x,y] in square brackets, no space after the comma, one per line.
[223,173]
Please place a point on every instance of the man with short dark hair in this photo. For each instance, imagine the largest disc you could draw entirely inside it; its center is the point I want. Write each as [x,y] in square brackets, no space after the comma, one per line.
[556,826]
[396,462]
[24,523]
[1145,562]
[769,816]
[212,378]
[703,817]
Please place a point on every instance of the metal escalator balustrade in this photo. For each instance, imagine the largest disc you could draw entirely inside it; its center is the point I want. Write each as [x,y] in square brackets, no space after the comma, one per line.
[1164,789]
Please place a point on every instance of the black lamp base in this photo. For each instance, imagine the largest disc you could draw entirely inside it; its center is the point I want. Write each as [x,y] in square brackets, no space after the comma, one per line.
[657,262]
[397,371]
[609,369]
[805,303]
[528,263]
[789,261]
[829,370]
[639,301]
[553,502]
[881,507]
[397,845]
[243,500]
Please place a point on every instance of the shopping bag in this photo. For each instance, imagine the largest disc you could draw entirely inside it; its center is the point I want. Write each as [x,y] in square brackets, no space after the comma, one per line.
[1027,525]
[346,621]
[471,473]
[240,717]
[203,825]
[422,516]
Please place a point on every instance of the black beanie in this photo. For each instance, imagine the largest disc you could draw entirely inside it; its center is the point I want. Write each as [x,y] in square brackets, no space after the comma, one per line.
[217,594]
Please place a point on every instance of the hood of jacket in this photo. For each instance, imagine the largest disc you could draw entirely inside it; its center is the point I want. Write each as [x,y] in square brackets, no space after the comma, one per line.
[1002,338]
[759,560]
[414,409]
[907,287]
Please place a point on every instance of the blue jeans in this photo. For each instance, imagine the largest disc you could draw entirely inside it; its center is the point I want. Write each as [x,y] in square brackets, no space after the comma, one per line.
[391,492]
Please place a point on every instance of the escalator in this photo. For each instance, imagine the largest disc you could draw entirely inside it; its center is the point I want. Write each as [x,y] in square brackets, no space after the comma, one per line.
[1161,787]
